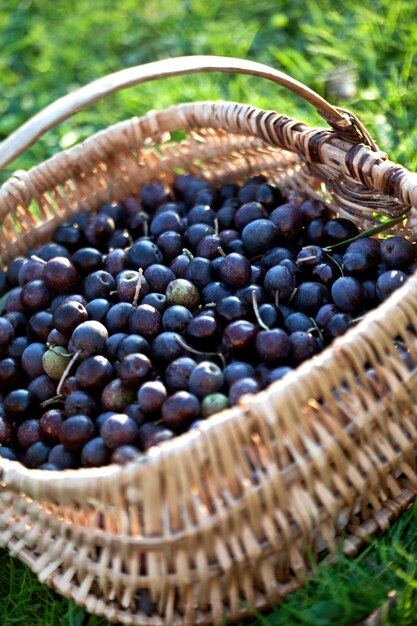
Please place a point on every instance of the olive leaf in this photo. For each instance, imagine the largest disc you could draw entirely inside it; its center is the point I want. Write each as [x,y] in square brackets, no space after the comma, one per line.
[368,233]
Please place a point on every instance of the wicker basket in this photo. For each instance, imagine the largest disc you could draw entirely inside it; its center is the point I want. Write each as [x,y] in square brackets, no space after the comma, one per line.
[228,516]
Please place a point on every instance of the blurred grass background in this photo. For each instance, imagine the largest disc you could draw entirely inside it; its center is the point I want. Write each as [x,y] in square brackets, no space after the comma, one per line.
[49,48]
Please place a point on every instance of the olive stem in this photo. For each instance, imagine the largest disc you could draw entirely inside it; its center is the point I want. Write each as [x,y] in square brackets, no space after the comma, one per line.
[315,328]
[188,253]
[313,257]
[276,299]
[67,371]
[335,262]
[294,291]
[354,320]
[65,356]
[256,311]
[54,400]
[138,286]
[184,345]
[37,259]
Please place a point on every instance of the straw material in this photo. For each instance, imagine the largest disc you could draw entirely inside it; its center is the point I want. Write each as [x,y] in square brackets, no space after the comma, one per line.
[226,517]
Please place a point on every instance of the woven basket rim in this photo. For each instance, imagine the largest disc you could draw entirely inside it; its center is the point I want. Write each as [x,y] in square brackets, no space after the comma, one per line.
[316,145]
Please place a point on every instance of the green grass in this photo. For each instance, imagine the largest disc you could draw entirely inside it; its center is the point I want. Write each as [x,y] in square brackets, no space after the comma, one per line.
[349,590]
[49,48]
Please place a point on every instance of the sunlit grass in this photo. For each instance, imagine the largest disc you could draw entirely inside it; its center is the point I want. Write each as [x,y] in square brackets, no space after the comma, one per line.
[49,49]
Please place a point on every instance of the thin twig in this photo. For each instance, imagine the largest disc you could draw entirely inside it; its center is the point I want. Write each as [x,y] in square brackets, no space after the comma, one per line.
[315,328]
[257,314]
[334,261]
[38,259]
[184,345]
[65,356]
[138,287]
[356,319]
[276,299]
[293,292]
[188,253]
[67,371]
[54,400]
[313,257]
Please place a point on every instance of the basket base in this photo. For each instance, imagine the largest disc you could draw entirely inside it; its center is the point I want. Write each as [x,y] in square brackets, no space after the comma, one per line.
[27,542]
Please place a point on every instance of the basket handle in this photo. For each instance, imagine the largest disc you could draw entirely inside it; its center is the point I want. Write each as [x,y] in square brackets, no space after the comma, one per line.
[344,123]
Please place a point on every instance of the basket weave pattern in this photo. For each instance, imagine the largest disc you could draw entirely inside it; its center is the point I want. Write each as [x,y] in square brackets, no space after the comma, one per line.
[229,515]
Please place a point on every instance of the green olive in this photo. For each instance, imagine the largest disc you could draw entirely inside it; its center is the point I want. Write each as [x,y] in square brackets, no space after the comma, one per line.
[55,361]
